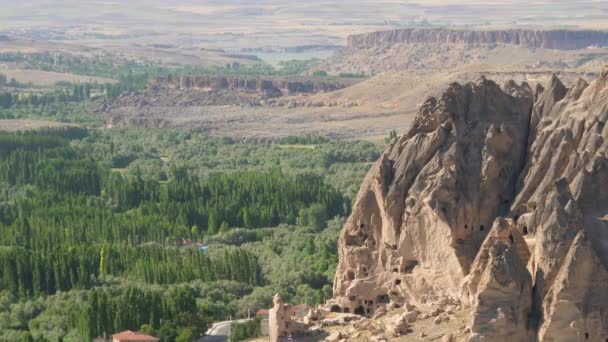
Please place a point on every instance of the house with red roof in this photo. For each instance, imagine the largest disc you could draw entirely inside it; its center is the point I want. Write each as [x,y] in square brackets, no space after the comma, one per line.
[133,336]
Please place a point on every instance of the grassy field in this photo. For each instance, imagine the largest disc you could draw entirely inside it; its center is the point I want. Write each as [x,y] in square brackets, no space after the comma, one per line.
[24,125]
[47,78]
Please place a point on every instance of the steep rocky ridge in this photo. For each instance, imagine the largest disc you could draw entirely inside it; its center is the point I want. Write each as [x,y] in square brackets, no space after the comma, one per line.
[268,87]
[496,199]
[188,91]
[545,39]
[442,49]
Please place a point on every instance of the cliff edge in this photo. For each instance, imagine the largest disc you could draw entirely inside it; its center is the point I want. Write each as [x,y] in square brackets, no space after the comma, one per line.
[495,199]
[545,39]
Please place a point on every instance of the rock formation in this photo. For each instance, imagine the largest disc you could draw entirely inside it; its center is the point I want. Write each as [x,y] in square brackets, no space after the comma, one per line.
[496,198]
[277,326]
[268,87]
[548,39]
[281,324]
[172,95]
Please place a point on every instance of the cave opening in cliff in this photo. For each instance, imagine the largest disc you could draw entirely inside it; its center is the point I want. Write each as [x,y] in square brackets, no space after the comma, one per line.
[397,281]
[410,265]
[360,310]
[384,299]
[335,308]
[525,231]
[346,310]
[511,239]
[482,228]
[350,275]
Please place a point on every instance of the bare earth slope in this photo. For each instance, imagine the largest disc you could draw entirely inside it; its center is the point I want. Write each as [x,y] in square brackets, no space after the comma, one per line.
[438,49]
[405,72]
[492,203]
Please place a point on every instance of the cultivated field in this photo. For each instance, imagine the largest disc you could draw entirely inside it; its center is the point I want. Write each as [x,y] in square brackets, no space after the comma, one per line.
[48,78]
[25,125]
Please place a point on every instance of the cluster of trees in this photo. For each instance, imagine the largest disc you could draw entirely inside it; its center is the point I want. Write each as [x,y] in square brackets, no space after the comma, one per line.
[303,140]
[245,330]
[29,272]
[68,92]
[98,251]
[4,81]
[171,314]
[170,154]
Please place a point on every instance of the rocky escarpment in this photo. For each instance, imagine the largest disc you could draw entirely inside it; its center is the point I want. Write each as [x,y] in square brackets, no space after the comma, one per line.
[199,91]
[496,199]
[267,87]
[547,39]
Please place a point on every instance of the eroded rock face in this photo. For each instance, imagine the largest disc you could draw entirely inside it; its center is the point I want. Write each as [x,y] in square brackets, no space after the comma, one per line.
[269,87]
[277,320]
[495,198]
[429,202]
[503,295]
[575,306]
[549,39]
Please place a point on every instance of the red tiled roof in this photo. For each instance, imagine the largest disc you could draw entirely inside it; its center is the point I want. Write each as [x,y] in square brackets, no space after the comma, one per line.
[262,312]
[133,336]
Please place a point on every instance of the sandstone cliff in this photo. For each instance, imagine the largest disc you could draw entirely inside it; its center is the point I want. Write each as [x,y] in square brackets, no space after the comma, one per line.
[496,198]
[201,91]
[269,87]
[547,39]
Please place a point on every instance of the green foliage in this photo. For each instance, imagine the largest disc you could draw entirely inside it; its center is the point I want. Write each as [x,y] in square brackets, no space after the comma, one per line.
[352,75]
[320,73]
[162,310]
[303,140]
[174,154]
[314,216]
[392,137]
[245,330]
[85,250]
[68,112]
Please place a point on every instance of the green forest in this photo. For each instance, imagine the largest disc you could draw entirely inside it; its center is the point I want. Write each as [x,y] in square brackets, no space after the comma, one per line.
[164,231]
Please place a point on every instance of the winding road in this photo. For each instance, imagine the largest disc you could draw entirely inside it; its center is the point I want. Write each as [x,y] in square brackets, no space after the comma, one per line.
[220,331]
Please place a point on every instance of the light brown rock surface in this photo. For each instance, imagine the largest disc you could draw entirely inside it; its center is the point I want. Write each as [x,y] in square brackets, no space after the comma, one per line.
[495,200]
[277,326]
[549,39]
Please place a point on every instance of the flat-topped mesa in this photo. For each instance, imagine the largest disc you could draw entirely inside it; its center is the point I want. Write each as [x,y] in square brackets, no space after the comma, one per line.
[547,39]
[270,86]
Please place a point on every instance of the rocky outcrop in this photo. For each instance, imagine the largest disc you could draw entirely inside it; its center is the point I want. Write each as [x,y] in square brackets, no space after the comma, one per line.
[277,320]
[503,295]
[267,87]
[575,307]
[179,92]
[281,325]
[547,39]
[495,198]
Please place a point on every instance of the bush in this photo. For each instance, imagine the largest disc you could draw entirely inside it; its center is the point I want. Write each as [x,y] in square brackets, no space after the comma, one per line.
[243,331]
[315,216]
[352,75]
